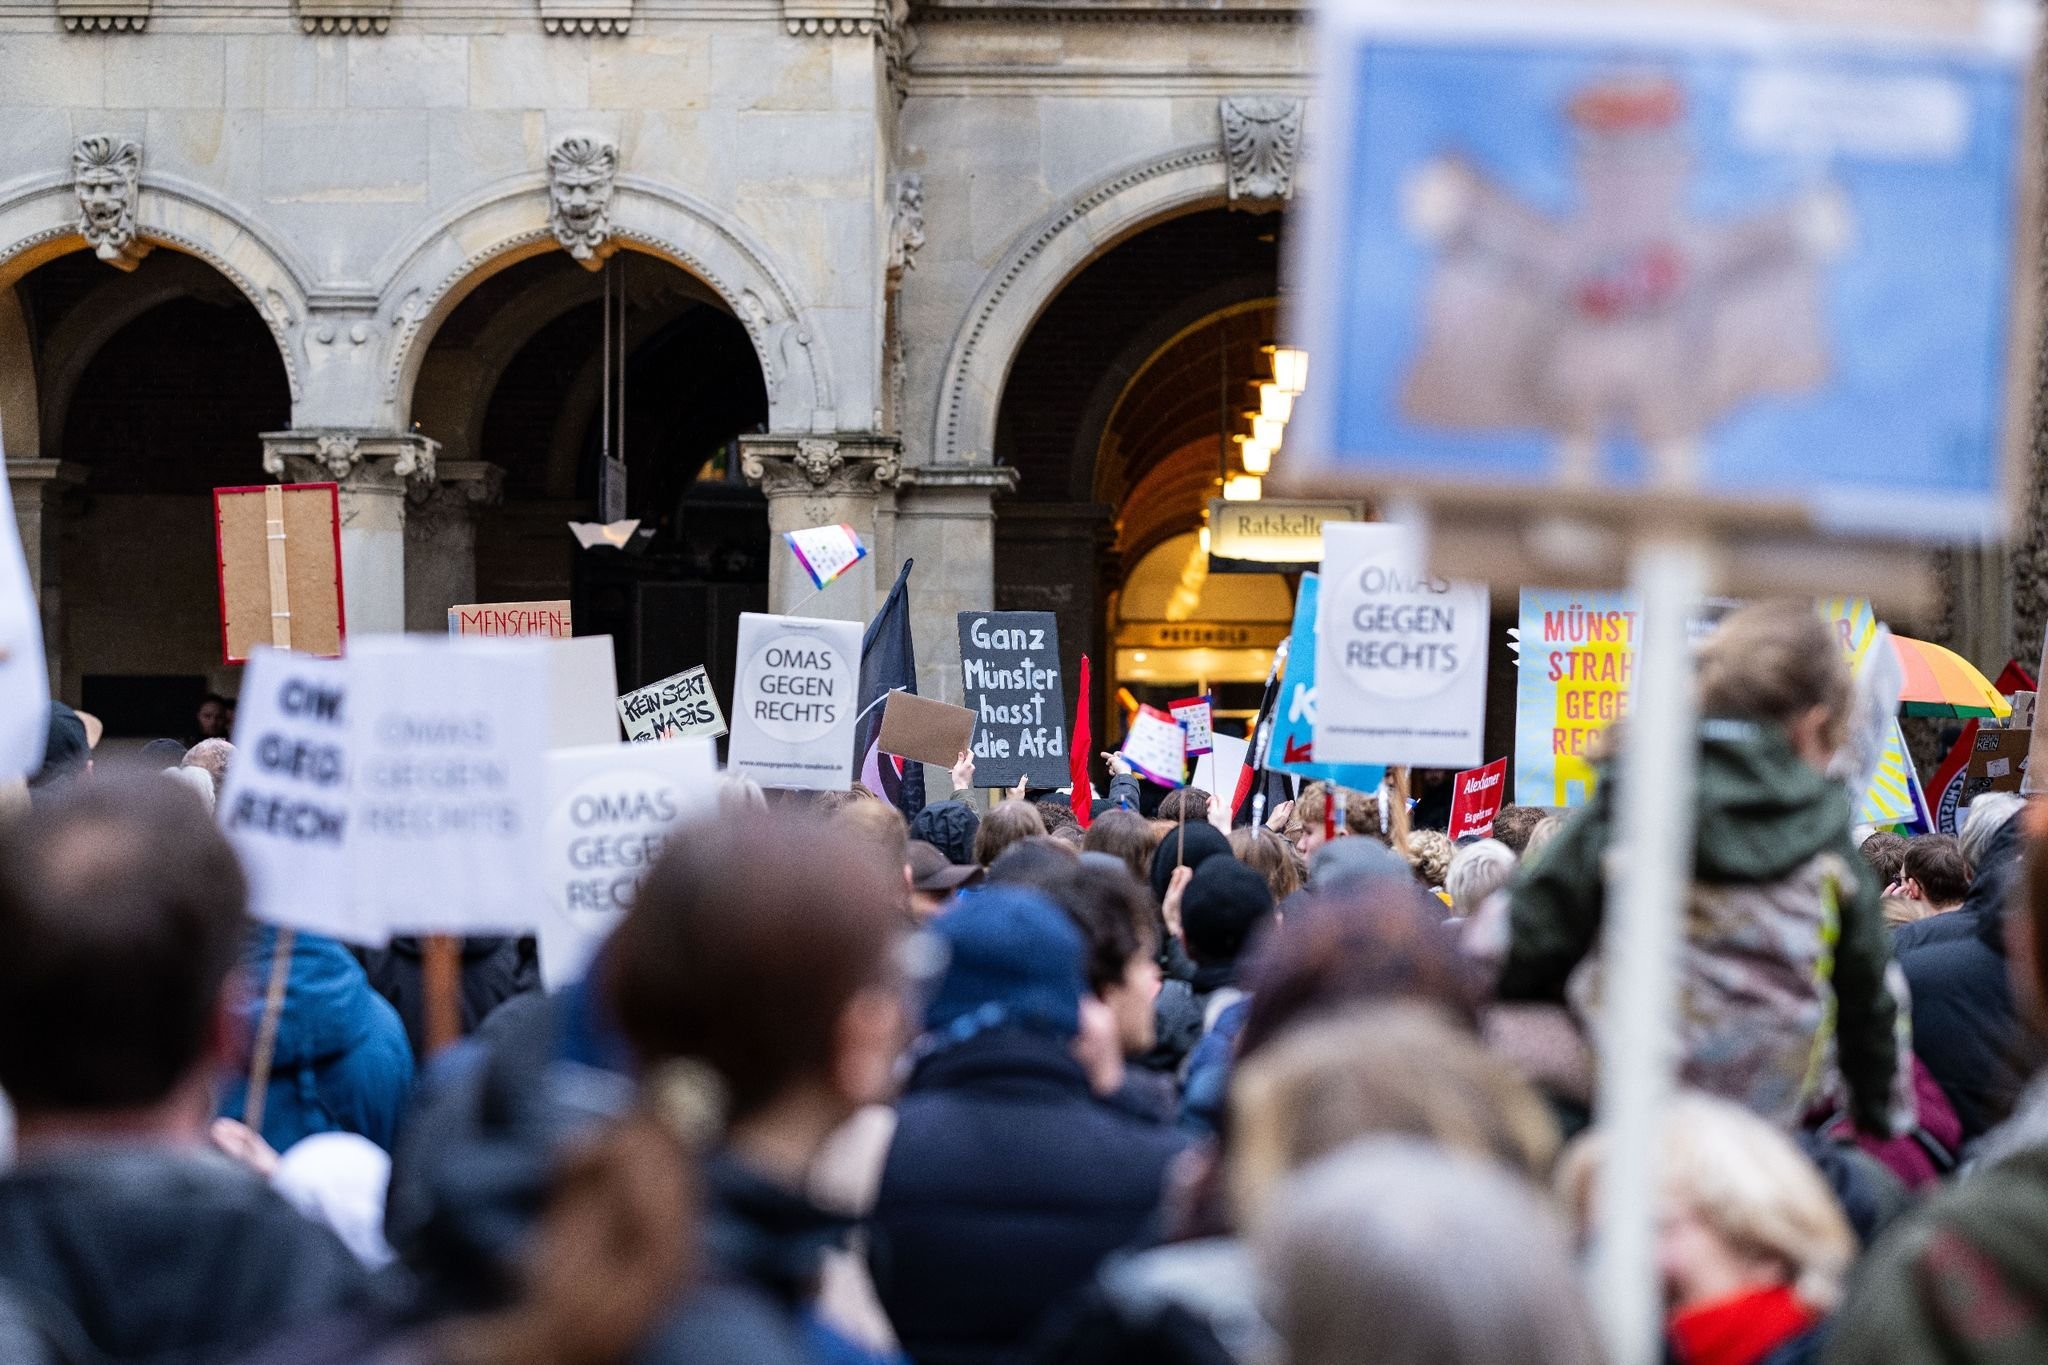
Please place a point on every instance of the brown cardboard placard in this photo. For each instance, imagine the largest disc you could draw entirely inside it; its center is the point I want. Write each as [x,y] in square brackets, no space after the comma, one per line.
[934,732]
[311,563]
[511,618]
[1998,763]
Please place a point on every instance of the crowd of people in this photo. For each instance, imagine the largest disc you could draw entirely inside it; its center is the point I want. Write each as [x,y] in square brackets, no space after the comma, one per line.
[1062,1080]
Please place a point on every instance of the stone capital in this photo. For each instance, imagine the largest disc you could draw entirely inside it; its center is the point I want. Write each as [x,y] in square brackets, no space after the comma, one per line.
[36,484]
[460,490]
[386,462]
[790,466]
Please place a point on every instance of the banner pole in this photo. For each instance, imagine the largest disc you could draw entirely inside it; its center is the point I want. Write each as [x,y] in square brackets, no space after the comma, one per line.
[265,1049]
[440,991]
[1640,943]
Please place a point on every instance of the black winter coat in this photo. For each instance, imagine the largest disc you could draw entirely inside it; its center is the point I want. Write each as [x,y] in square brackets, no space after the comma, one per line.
[493,971]
[1006,1185]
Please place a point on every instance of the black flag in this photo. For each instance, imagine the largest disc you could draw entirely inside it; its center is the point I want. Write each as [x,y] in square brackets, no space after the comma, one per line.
[887,663]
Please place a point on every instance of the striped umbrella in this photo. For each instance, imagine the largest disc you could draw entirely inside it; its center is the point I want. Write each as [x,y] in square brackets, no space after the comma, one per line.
[1940,682]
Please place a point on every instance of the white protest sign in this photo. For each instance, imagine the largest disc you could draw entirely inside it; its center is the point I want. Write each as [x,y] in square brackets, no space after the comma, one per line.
[446,738]
[1400,655]
[610,806]
[24,676]
[793,702]
[583,690]
[1157,746]
[1197,716]
[673,708]
[1219,771]
[284,805]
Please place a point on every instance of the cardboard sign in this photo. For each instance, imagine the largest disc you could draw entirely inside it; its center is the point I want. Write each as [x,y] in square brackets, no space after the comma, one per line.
[1197,715]
[794,702]
[934,732]
[511,618]
[610,806]
[826,551]
[673,708]
[1476,796]
[1292,746]
[293,599]
[24,673]
[285,803]
[445,746]
[1157,747]
[1998,763]
[1010,663]
[1578,660]
[1400,654]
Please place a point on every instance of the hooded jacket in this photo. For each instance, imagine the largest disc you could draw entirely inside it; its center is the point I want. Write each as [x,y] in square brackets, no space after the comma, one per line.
[341,1063]
[1785,942]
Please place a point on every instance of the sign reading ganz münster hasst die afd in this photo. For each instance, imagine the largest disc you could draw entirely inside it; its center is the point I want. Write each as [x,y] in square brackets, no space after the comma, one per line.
[1259,537]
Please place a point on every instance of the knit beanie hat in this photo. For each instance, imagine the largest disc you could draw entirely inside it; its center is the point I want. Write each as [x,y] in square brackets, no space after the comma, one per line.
[1013,958]
[950,827]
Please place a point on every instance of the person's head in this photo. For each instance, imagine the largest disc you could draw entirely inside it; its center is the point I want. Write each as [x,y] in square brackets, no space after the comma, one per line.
[211,756]
[1476,872]
[1513,825]
[1899,911]
[1934,872]
[1547,829]
[67,755]
[1038,861]
[1184,803]
[1400,1252]
[1115,918]
[1346,864]
[1124,834]
[1007,823]
[1398,1067]
[1778,663]
[780,973]
[950,827]
[161,753]
[875,822]
[1061,823]
[1267,854]
[1013,960]
[1988,814]
[121,918]
[934,879]
[1430,853]
[1885,853]
[196,782]
[740,796]
[212,718]
[1185,846]
[1226,905]
[1743,1208]
[1356,813]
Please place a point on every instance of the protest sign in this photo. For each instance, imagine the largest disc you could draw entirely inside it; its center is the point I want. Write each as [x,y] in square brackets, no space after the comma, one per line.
[1998,762]
[278,550]
[24,673]
[1578,660]
[583,691]
[1945,792]
[1586,255]
[826,551]
[445,745]
[511,618]
[285,803]
[1292,746]
[1400,654]
[675,707]
[934,732]
[793,702]
[610,806]
[1010,663]
[1156,746]
[1197,715]
[1218,771]
[1476,796]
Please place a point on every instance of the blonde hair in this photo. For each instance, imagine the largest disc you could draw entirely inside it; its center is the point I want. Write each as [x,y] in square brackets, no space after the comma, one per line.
[1747,1181]
[1430,852]
[1902,910]
[1360,811]
[1772,661]
[1267,854]
[1377,1069]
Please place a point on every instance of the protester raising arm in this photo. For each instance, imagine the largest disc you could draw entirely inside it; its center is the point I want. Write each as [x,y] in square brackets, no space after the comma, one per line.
[1123,781]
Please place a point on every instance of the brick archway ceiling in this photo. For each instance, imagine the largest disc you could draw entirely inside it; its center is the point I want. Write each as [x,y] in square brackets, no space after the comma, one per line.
[1100,314]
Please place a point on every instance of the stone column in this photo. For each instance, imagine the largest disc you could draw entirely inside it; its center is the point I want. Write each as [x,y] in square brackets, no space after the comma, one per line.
[374,469]
[39,487]
[440,539]
[822,481]
[945,520]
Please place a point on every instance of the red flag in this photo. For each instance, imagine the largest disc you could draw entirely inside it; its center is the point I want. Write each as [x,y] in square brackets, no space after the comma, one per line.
[1945,793]
[1080,740]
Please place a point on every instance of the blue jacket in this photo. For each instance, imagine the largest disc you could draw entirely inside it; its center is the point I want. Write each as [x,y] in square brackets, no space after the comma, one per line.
[1006,1185]
[341,1064]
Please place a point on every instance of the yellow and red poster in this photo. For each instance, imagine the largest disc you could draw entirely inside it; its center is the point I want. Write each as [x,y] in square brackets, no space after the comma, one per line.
[1578,659]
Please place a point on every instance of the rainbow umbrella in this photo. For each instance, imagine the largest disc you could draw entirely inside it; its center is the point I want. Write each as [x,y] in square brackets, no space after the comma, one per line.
[1940,682]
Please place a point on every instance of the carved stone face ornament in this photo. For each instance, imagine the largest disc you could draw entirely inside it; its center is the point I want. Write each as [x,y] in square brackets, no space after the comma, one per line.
[107,173]
[581,171]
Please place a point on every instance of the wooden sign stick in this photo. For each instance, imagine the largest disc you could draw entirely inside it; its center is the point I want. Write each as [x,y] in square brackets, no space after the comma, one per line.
[281,951]
[440,991]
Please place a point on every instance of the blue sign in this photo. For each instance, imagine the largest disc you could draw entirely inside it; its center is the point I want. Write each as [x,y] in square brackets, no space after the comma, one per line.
[1734,259]
[1293,744]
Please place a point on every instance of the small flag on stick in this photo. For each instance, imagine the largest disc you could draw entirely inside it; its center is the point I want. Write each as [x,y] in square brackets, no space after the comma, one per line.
[826,551]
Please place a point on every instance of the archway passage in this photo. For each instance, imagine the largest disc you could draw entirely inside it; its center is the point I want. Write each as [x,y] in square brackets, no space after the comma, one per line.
[1120,414]
[157,384]
[524,375]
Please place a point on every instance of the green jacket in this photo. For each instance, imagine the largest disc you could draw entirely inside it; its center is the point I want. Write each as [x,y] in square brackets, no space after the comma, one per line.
[1963,1280]
[1784,933]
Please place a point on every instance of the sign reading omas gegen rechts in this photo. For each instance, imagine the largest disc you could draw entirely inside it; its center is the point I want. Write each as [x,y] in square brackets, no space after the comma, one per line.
[1010,663]
[794,702]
